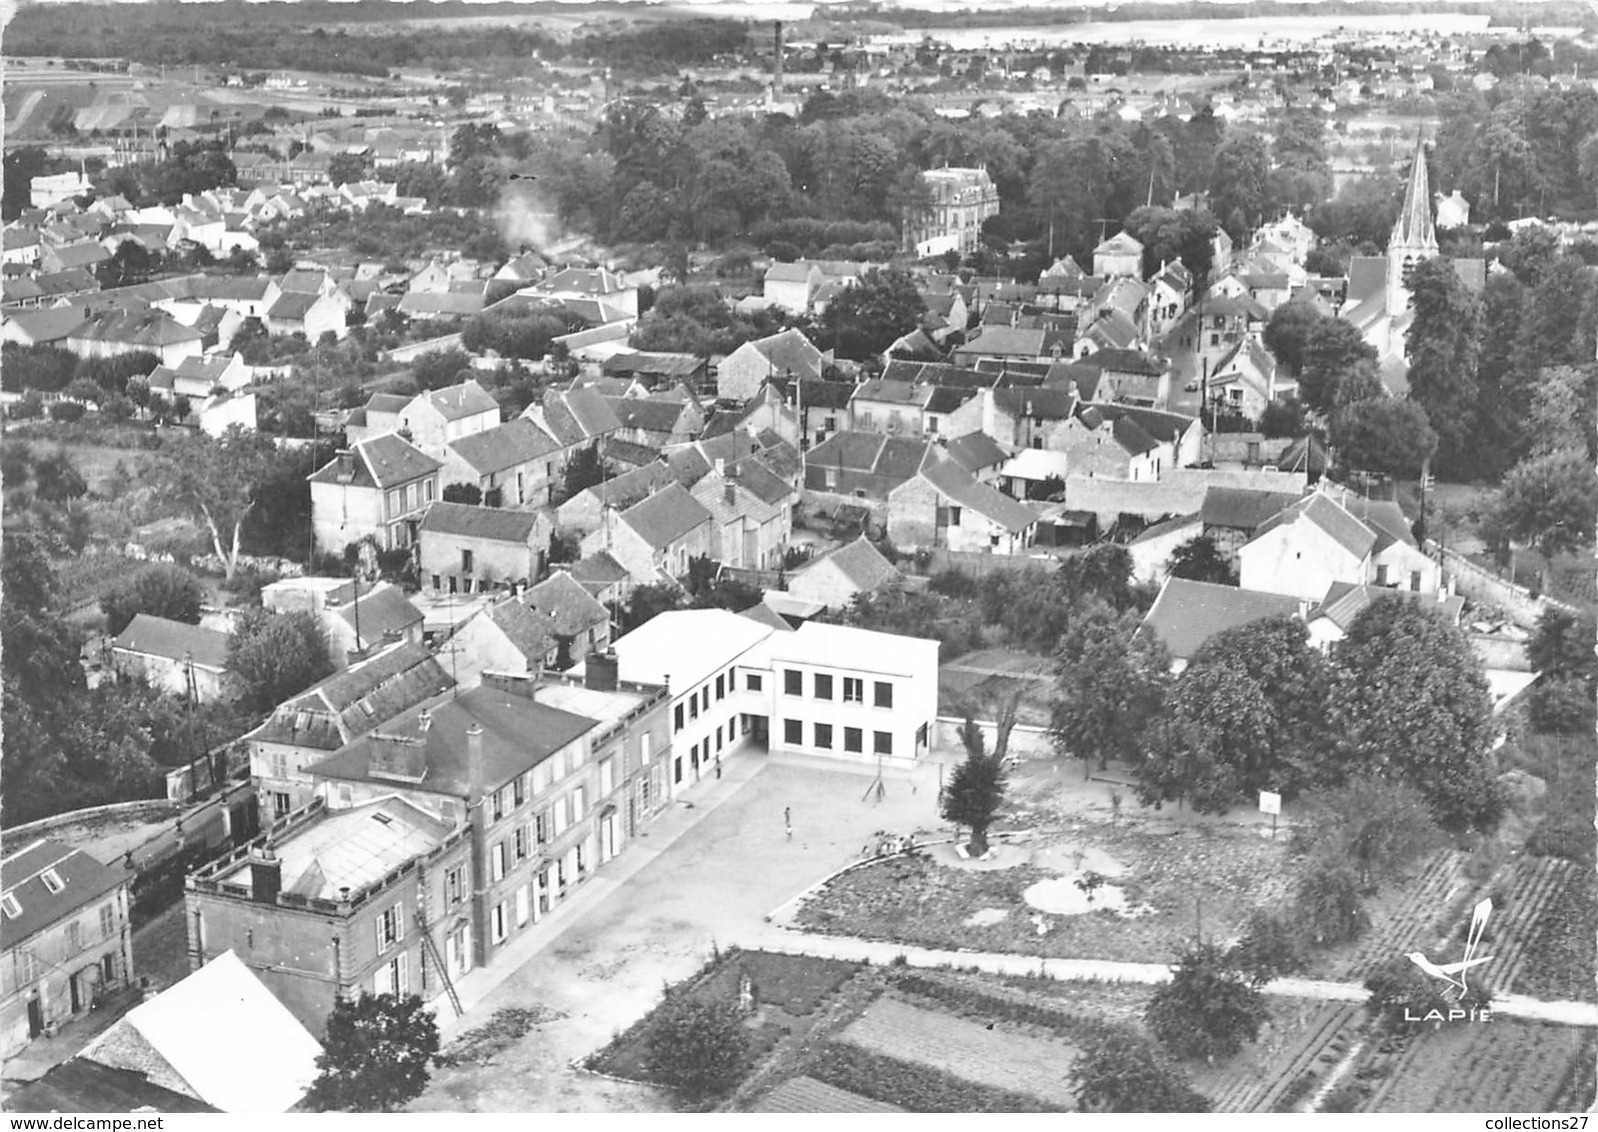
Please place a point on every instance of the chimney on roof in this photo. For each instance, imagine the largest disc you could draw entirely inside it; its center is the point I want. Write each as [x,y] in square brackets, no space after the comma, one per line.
[721,466]
[729,493]
[266,876]
[513,683]
[474,764]
[600,672]
[400,758]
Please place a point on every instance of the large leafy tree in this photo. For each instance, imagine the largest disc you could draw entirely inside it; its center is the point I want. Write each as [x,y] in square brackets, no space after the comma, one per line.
[217,481]
[974,794]
[1200,560]
[1120,1071]
[1385,435]
[375,1054]
[1409,701]
[159,590]
[701,1048]
[1208,1009]
[1444,346]
[1375,826]
[272,656]
[1166,235]
[1548,502]
[867,317]
[1332,352]
[1109,687]
[1287,333]
[1240,183]
[1245,716]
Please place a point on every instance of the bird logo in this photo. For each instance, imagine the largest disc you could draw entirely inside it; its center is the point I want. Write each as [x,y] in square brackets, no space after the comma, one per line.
[1454,973]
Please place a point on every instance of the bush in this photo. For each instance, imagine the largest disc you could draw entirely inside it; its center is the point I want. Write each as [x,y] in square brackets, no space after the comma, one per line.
[700,1048]
[30,407]
[1327,905]
[158,590]
[1207,1009]
[68,411]
[1347,1097]
[913,1085]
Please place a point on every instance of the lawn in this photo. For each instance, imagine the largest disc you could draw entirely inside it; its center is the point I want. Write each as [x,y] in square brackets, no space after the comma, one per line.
[1170,881]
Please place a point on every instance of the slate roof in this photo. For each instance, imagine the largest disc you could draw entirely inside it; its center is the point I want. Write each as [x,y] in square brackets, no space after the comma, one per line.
[349,703]
[457,402]
[84,881]
[576,415]
[569,607]
[1241,508]
[79,1085]
[1345,601]
[1052,404]
[504,446]
[975,451]
[665,516]
[598,571]
[790,352]
[1188,613]
[648,413]
[988,501]
[381,461]
[626,453]
[861,562]
[158,636]
[1385,517]
[147,328]
[653,364]
[52,324]
[530,632]
[441,302]
[1325,513]
[518,734]
[465,520]
[382,610]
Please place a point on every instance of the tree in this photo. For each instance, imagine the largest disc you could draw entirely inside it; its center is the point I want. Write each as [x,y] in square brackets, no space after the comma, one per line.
[974,794]
[648,601]
[1326,905]
[866,318]
[159,590]
[375,1054]
[586,468]
[1198,559]
[217,481]
[1119,1071]
[1104,572]
[1373,825]
[272,656]
[1443,346]
[1268,949]
[1402,993]
[1109,687]
[1239,183]
[1332,350]
[56,479]
[1208,1009]
[1287,333]
[701,1048]
[1409,701]
[1548,502]
[1384,435]
[438,369]
[463,493]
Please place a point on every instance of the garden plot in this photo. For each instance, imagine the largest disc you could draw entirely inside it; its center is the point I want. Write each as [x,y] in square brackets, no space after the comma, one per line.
[1295,1052]
[1404,917]
[1506,1065]
[1164,877]
[806,1094]
[969,1050]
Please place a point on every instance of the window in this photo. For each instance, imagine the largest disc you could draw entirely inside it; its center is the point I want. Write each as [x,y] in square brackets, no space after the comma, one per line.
[882,742]
[643,748]
[74,938]
[393,503]
[721,687]
[793,683]
[543,891]
[499,922]
[852,739]
[823,687]
[581,855]
[466,562]
[752,681]
[676,718]
[676,769]
[9,905]
[541,828]
[884,694]
[390,926]
[543,775]
[693,706]
[30,965]
[718,738]
[824,736]
[793,732]
[518,790]
[281,804]
[499,803]
[108,921]
[392,977]
[561,817]
[52,880]
[579,803]
[521,842]
[954,516]
[1414,580]
[932,424]
[438,583]
[522,906]
[1381,575]
[854,690]
[455,885]
[427,490]
[607,776]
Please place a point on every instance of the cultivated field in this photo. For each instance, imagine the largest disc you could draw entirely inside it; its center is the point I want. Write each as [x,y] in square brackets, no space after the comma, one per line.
[1505,1065]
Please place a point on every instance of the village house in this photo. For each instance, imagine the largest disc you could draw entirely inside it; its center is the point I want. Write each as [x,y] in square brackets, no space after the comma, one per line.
[115,332]
[506,636]
[329,714]
[438,416]
[381,414]
[1319,540]
[1188,613]
[373,489]
[751,515]
[1244,382]
[863,464]
[959,200]
[578,624]
[788,354]
[1232,516]
[183,660]
[309,314]
[944,508]
[463,548]
[658,421]
[1119,256]
[1152,548]
[584,511]
[576,418]
[835,578]
[655,538]
[513,464]
[65,938]
[196,377]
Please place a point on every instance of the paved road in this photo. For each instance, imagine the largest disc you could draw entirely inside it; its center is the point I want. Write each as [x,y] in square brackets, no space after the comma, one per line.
[707,877]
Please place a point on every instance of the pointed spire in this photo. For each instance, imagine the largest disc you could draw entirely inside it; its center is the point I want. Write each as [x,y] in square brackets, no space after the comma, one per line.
[1414,226]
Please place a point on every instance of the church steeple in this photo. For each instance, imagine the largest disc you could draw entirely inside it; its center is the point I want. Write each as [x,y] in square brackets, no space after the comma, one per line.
[1414,236]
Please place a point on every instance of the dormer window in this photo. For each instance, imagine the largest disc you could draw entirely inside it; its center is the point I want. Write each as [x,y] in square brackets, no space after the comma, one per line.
[52,880]
[9,905]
